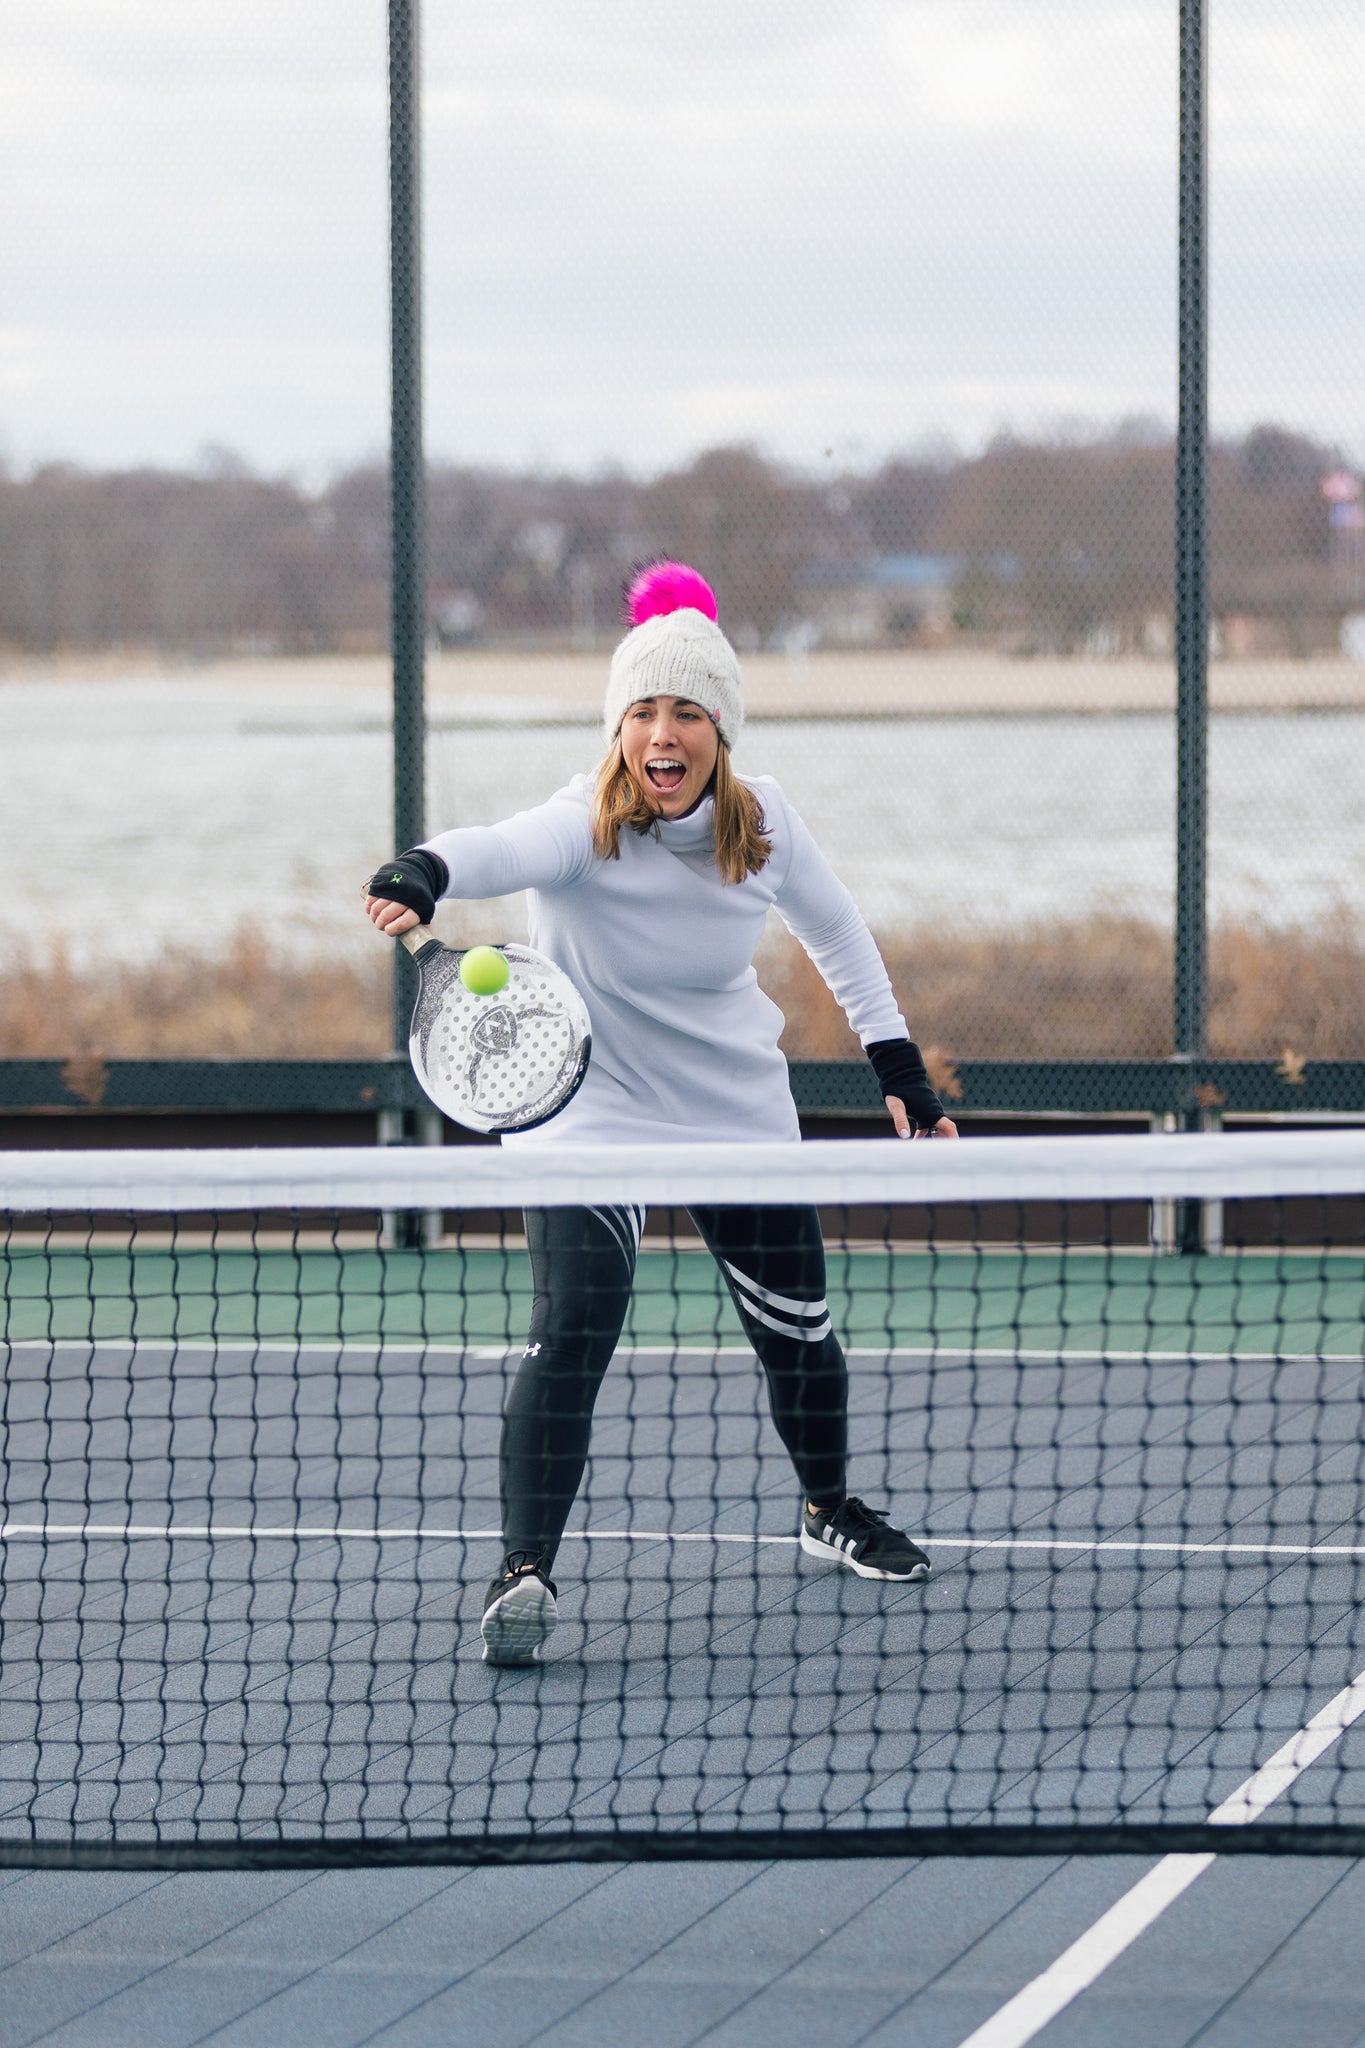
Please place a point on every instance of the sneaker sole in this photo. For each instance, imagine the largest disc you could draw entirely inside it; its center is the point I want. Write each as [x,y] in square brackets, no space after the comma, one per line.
[518,1625]
[827,1554]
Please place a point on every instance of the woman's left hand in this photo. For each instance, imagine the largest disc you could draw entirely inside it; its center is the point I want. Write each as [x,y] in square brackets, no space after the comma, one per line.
[944,1128]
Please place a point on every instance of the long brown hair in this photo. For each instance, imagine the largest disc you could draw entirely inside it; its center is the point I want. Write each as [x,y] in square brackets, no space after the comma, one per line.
[741,848]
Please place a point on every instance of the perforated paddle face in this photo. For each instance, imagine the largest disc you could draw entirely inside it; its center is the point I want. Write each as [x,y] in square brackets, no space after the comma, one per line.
[498,1063]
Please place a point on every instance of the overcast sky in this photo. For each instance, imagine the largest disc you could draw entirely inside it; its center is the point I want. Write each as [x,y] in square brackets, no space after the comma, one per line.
[832,227]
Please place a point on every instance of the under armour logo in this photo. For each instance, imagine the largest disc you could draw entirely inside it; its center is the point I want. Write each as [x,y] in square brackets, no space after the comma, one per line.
[531,1351]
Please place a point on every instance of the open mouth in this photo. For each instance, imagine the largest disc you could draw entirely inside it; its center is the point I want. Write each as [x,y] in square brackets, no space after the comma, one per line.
[666,774]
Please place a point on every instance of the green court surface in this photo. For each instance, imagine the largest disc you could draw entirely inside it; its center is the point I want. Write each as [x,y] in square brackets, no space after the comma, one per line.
[1291,1303]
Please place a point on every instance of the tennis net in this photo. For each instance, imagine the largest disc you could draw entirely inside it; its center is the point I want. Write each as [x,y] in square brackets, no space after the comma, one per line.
[251,1426]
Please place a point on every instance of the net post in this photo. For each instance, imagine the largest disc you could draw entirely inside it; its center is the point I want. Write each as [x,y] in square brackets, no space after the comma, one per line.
[389,1131]
[1211,1119]
[1162,1211]
[431,1130]
[1196,1223]
[410,1229]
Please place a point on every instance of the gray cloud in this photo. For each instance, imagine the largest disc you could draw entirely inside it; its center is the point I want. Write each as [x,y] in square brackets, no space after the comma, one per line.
[827,226]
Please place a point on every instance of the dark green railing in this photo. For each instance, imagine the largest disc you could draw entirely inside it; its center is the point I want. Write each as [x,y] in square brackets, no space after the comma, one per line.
[1057,1088]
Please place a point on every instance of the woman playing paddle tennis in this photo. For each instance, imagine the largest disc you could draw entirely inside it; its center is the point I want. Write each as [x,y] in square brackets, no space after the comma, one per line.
[649,884]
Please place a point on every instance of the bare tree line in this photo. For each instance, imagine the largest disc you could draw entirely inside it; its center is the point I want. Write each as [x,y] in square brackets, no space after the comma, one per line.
[1037,545]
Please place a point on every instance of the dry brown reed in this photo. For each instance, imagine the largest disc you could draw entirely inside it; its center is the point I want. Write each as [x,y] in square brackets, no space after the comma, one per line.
[247,1002]
[1099,988]
[1096,989]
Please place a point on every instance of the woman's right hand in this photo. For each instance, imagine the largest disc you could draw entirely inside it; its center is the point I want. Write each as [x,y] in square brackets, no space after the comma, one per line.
[416,879]
[392,919]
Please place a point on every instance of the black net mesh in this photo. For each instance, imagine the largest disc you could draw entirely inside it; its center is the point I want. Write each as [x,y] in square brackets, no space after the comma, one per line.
[253,1504]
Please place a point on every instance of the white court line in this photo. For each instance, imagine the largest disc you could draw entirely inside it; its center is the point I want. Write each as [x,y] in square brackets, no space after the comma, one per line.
[296,1533]
[223,1531]
[1095,1354]
[1077,1968]
[1185,1548]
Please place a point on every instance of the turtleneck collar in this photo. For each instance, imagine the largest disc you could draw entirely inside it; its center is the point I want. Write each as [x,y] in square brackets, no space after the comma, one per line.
[696,833]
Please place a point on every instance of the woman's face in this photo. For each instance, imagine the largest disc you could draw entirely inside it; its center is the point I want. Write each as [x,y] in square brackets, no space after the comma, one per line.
[670,747]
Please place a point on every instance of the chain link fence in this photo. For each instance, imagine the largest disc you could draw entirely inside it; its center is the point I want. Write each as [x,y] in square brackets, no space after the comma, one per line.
[869,311]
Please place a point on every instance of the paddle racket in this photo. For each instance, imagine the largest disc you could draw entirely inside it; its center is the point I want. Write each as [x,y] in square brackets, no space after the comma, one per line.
[504,1062]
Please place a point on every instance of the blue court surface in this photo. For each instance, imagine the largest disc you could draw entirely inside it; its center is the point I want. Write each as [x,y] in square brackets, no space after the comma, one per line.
[1258,1953]
[242,1588]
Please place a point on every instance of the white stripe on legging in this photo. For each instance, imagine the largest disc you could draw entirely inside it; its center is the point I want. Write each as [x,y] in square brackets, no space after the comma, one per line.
[806,1331]
[815,1335]
[625,1225]
[774,1300]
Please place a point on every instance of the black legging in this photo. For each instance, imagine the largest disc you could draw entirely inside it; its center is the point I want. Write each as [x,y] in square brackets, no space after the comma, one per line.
[583,1266]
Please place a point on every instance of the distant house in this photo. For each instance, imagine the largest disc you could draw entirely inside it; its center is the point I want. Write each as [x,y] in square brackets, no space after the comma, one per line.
[905,598]
[456,616]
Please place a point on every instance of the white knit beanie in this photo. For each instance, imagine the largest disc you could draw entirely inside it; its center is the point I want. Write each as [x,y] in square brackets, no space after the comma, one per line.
[674,649]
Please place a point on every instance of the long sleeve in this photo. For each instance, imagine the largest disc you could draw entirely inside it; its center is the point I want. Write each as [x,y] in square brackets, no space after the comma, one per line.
[819,911]
[684,1042]
[549,847]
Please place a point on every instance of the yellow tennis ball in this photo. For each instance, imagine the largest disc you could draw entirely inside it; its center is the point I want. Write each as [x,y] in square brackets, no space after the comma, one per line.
[483,971]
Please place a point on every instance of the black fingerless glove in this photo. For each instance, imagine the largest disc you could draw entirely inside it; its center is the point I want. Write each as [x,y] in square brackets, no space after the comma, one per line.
[415,879]
[899,1067]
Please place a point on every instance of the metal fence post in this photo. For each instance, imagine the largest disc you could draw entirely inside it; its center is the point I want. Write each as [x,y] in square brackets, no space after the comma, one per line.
[407,492]
[407,520]
[1191,573]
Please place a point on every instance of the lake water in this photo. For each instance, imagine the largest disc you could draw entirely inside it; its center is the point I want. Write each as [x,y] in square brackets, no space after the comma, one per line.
[135,811]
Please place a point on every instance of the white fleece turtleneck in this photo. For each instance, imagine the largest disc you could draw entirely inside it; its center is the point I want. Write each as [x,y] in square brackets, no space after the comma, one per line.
[684,1042]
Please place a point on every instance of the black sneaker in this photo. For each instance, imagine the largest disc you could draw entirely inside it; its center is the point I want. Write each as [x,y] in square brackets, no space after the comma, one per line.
[519,1613]
[860,1537]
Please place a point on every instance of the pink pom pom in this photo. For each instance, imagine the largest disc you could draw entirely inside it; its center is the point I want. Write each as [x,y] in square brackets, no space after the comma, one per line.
[667,587]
